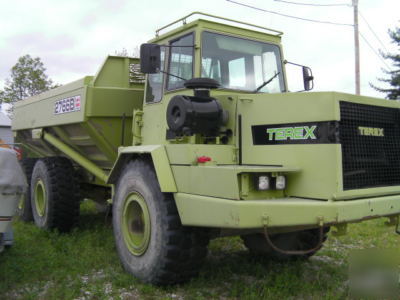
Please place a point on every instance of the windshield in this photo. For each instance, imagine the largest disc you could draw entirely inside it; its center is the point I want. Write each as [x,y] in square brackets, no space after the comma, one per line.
[241,64]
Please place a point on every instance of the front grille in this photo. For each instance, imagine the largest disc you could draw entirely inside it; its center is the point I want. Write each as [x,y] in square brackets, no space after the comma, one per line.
[369,159]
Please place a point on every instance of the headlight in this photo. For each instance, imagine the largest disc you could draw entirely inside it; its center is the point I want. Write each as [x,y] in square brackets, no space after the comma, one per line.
[264,183]
[280,182]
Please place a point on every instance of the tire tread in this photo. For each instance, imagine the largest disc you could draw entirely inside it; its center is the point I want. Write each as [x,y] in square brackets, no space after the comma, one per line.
[65,194]
[184,248]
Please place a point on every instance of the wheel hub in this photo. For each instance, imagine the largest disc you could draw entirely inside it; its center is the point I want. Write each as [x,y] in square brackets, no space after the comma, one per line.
[136,224]
[40,198]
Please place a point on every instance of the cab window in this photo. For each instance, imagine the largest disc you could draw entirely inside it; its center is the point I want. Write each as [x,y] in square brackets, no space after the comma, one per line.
[154,90]
[180,62]
[242,64]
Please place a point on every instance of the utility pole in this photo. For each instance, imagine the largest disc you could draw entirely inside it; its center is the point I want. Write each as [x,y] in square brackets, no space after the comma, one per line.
[356,47]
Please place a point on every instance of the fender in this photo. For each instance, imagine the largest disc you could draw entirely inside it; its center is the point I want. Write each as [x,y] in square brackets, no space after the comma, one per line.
[160,161]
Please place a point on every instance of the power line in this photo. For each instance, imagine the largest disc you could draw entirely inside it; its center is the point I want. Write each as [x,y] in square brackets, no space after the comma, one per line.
[317,21]
[289,16]
[370,28]
[376,53]
[340,4]
[312,4]
[357,33]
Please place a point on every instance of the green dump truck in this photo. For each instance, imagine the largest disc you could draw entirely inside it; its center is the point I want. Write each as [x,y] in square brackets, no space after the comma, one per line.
[201,138]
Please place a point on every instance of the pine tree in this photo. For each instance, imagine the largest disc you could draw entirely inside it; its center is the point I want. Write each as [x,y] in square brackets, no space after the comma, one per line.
[394,91]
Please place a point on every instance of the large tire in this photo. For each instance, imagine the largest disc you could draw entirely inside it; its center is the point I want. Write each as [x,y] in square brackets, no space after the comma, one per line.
[298,240]
[55,194]
[24,208]
[151,242]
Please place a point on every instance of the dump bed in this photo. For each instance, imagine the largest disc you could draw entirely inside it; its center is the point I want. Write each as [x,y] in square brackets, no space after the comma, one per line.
[92,115]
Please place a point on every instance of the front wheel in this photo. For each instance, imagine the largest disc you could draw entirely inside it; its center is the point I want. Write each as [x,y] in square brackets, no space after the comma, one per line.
[151,242]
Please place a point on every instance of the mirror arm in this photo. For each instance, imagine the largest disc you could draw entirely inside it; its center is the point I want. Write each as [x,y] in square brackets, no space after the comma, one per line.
[292,63]
[305,78]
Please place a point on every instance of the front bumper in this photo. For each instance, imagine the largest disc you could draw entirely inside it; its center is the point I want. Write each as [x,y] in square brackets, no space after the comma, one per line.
[195,210]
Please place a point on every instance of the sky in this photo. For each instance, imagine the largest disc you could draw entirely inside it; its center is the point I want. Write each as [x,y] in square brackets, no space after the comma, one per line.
[73,37]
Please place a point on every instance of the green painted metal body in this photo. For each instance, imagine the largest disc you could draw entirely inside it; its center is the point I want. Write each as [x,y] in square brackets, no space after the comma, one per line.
[115,125]
[281,212]
[158,157]
[103,123]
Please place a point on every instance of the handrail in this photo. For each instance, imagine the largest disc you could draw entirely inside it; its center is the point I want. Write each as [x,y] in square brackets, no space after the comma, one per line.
[217,17]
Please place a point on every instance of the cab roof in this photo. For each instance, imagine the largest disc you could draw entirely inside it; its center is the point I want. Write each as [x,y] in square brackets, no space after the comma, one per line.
[244,29]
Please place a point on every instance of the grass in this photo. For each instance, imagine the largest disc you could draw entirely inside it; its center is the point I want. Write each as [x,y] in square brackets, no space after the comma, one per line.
[84,265]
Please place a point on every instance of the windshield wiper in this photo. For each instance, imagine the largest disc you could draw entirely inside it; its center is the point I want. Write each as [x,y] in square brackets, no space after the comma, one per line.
[266,82]
[173,75]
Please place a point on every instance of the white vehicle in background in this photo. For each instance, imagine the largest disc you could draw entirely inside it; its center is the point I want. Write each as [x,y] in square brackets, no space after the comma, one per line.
[12,187]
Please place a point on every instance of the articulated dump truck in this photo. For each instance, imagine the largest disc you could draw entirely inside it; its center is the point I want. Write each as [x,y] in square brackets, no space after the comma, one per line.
[201,138]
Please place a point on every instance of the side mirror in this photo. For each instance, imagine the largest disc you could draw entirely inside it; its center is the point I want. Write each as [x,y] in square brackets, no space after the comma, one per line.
[150,58]
[308,79]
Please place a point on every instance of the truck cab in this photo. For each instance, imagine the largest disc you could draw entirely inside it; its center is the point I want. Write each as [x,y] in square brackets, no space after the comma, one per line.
[276,148]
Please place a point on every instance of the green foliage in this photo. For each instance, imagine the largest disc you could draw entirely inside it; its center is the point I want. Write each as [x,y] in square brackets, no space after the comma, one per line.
[394,91]
[27,78]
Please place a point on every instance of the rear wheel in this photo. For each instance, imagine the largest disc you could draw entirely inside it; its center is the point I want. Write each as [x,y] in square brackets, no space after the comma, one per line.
[151,242]
[298,241]
[55,194]
[24,208]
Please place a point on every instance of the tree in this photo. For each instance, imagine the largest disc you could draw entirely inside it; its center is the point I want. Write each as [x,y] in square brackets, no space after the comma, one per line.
[124,52]
[394,91]
[27,78]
